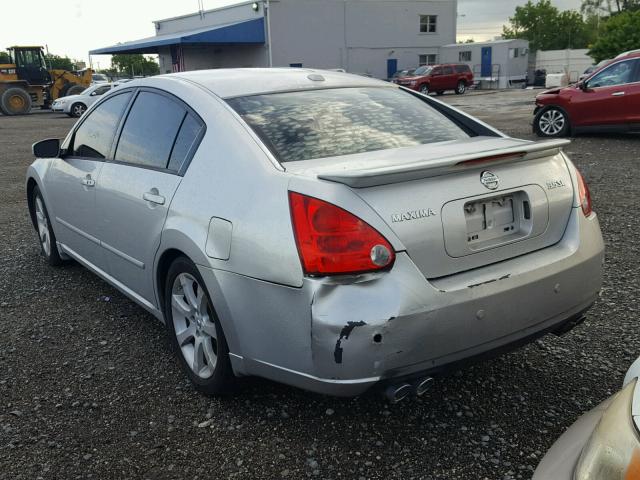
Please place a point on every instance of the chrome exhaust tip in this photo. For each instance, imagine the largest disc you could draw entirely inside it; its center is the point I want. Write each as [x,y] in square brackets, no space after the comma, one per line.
[397,393]
[421,386]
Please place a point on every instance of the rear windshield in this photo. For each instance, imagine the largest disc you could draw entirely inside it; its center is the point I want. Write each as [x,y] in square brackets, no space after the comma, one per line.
[326,123]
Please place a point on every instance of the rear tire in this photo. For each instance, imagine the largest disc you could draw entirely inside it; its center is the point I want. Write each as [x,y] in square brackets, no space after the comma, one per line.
[77,109]
[461,88]
[194,330]
[551,122]
[48,244]
[15,101]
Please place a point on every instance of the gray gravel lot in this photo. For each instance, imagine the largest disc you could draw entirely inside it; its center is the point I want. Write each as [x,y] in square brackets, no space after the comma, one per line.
[89,388]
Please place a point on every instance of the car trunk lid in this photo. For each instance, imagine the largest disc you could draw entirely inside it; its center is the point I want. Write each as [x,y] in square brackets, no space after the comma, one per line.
[460,205]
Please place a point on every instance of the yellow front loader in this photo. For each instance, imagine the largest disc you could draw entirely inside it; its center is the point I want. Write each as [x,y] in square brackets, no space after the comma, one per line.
[26,82]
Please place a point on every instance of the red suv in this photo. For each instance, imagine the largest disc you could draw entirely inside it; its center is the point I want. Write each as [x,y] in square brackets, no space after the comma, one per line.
[438,78]
[607,100]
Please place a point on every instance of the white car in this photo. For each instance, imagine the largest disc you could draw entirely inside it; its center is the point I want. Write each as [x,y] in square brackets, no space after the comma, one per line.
[76,105]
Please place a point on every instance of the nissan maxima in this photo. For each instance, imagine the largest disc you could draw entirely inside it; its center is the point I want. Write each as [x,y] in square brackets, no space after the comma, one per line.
[324,230]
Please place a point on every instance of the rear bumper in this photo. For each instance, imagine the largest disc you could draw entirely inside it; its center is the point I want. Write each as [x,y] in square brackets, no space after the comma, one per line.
[343,336]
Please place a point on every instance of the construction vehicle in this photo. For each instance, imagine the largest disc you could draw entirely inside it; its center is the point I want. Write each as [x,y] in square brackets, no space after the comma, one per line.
[26,81]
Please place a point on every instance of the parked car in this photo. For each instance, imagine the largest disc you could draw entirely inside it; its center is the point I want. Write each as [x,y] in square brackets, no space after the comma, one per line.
[76,105]
[603,444]
[608,100]
[99,78]
[321,229]
[439,78]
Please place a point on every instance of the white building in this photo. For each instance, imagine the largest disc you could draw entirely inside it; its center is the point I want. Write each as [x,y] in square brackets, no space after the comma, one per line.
[496,64]
[571,62]
[375,37]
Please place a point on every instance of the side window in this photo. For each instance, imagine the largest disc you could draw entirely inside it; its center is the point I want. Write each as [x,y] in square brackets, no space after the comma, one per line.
[618,74]
[437,71]
[185,142]
[94,137]
[448,70]
[150,131]
[102,90]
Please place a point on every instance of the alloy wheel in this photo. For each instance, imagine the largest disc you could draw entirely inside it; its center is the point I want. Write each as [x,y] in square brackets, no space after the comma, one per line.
[78,110]
[43,227]
[194,326]
[551,122]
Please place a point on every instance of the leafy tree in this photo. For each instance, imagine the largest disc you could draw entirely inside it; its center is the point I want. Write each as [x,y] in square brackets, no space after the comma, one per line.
[620,33]
[547,28]
[57,62]
[135,64]
[4,57]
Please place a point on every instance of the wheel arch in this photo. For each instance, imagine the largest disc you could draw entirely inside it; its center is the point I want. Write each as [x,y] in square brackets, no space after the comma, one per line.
[31,185]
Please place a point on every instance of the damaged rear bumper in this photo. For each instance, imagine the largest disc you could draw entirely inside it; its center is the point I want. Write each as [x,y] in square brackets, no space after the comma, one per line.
[374,329]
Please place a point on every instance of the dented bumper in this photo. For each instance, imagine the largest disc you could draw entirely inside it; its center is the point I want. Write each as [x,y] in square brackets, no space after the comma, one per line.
[369,329]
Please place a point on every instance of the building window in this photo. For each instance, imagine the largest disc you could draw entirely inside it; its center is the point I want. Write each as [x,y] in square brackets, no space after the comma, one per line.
[464,56]
[514,53]
[429,59]
[428,23]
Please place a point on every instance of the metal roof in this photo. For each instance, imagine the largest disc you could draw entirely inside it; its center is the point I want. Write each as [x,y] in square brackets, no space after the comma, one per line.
[246,32]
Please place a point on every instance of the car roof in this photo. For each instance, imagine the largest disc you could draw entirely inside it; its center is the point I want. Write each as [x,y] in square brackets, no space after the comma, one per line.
[239,82]
[629,54]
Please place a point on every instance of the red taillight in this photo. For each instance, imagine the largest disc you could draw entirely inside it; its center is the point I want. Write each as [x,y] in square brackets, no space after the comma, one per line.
[584,195]
[332,241]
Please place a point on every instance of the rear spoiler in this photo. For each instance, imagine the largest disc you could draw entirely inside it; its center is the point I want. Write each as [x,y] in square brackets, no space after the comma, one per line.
[433,167]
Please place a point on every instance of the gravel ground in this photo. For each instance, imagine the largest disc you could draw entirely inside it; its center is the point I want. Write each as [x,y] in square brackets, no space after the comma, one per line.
[89,388]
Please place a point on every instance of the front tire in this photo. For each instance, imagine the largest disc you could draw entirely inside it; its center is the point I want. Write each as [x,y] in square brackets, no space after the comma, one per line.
[48,244]
[551,122]
[461,88]
[194,330]
[77,109]
[424,89]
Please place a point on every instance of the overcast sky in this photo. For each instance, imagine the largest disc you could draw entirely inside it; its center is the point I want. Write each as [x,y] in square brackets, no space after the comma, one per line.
[73,27]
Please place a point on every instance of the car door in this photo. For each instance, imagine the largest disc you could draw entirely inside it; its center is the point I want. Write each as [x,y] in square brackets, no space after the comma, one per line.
[607,98]
[71,179]
[436,79]
[137,186]
[448,78]
[632,94]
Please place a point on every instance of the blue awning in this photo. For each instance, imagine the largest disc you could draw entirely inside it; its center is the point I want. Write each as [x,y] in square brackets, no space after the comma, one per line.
[240,33]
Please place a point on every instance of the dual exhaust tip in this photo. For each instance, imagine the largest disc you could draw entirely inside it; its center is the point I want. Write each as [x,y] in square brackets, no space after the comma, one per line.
[397,393]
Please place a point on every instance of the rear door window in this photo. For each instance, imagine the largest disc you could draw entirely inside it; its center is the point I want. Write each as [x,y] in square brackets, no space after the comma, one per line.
[150,130]
[94,136]
[186,142]
[448,71]
[332,122]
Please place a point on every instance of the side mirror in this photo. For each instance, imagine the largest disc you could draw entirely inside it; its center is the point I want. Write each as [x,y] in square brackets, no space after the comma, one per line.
[49,148]
[584,86]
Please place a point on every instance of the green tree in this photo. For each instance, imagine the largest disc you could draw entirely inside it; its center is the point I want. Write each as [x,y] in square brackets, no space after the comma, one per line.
[58,62]
[546,27]
[620,33]
[135,64]
[5,58]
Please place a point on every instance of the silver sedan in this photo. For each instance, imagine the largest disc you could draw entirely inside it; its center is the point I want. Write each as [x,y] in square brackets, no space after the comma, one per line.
[320,229]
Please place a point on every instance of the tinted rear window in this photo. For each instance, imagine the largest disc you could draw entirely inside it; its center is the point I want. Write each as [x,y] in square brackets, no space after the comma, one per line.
[325,123]
[462,68]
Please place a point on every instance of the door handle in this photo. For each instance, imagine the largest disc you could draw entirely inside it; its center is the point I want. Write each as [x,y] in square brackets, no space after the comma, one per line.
[153,197]
[88,181]
[617,94]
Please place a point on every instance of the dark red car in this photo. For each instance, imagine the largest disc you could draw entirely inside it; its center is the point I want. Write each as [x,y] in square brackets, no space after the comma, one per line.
[608,100]
[439,78]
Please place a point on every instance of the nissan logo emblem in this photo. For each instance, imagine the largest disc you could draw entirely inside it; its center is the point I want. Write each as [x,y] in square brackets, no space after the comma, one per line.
[489,180]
